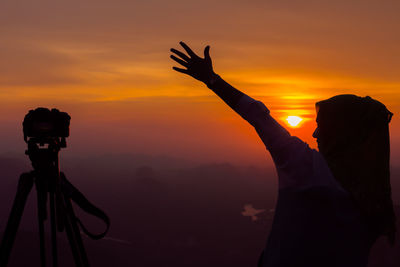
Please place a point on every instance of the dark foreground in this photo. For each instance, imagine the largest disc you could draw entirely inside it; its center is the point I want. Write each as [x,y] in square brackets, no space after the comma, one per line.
[164,215]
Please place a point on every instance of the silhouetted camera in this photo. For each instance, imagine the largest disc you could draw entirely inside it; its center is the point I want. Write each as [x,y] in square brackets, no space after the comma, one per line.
[43,123]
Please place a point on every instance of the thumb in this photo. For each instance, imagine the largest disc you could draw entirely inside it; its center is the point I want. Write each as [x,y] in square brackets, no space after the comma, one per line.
[207,53]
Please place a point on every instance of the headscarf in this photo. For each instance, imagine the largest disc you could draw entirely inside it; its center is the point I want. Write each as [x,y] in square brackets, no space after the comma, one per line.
[354,140]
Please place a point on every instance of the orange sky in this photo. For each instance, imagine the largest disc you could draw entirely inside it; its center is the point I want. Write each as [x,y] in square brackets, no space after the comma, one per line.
[107,64]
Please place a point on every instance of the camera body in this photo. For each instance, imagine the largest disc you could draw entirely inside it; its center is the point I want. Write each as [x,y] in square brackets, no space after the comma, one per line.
[43,123]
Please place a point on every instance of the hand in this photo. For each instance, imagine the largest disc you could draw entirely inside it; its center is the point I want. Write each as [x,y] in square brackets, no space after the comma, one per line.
[199,68]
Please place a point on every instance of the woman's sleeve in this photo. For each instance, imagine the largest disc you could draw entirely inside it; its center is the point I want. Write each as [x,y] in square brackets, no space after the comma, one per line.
[292,156]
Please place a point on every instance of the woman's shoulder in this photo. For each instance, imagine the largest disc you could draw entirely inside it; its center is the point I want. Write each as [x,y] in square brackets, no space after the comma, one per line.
[304,168]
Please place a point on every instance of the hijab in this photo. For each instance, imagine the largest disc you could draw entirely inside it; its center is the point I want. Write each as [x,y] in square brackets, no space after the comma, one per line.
[354,140]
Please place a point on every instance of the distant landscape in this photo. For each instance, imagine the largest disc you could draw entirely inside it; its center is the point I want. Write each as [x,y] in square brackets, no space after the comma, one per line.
[165,212]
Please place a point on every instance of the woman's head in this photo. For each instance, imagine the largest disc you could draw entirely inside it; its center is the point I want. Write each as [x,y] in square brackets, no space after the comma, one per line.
[347,121]
[353,137]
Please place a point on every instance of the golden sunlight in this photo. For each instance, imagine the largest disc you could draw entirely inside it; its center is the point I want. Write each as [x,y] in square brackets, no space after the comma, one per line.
[294,120]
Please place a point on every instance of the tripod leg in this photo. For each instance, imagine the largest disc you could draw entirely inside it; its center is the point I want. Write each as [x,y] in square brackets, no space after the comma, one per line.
[53,229]
[74,236]
[42,189]
[42,242]
[24,187]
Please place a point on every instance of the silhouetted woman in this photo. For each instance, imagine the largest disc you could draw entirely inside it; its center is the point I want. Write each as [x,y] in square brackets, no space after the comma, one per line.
[332,204]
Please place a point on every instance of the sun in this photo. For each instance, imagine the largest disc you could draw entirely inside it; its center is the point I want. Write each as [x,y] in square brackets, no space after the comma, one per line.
[294,120]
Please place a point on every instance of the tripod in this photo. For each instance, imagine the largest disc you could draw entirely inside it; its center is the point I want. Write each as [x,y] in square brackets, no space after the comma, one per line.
[52,185]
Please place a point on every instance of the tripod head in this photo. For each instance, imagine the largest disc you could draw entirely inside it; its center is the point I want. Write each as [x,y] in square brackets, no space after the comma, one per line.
[45,132]
[44,126]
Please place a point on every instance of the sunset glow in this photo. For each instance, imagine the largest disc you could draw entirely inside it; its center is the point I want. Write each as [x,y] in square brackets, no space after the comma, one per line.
[294,120]
[109,68]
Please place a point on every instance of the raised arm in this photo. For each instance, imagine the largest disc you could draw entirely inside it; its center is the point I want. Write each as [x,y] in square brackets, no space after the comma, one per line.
[276,139]
[251,110]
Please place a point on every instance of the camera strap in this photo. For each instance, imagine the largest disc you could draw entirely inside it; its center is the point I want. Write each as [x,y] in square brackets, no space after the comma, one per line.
[73,193]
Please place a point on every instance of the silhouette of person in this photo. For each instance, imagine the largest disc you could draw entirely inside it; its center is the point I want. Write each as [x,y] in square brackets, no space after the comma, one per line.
[333,203]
